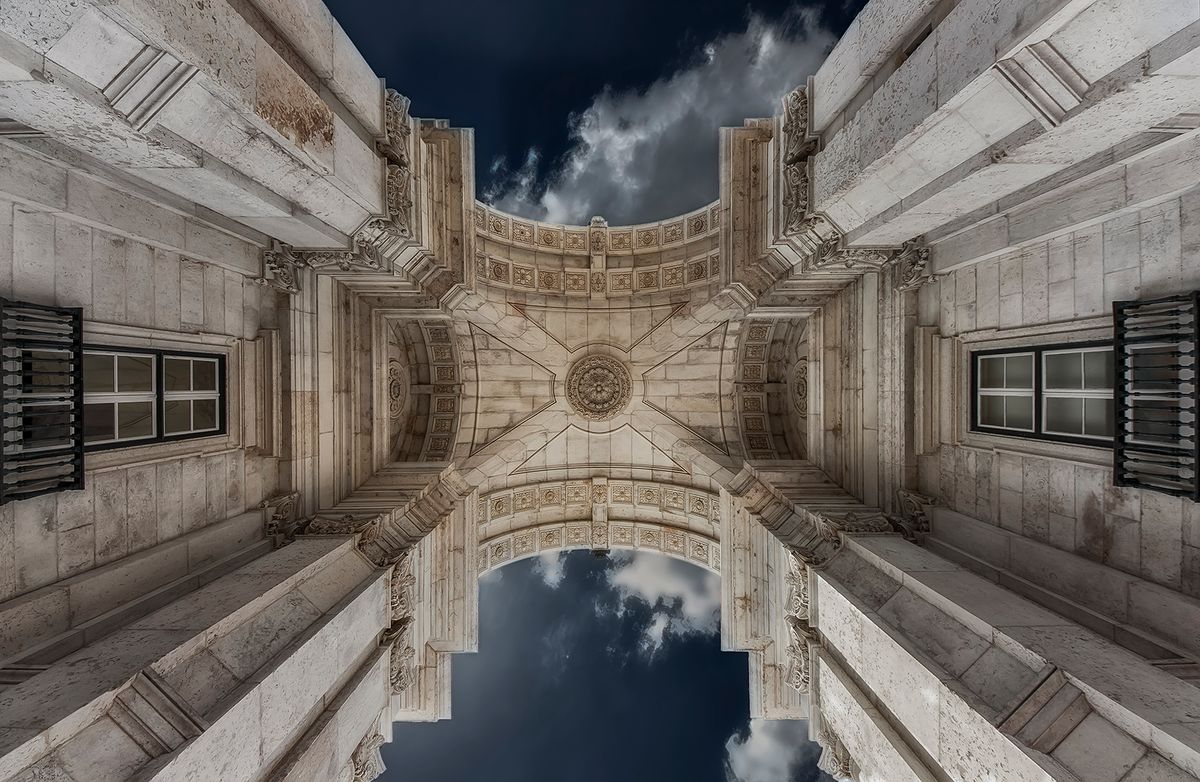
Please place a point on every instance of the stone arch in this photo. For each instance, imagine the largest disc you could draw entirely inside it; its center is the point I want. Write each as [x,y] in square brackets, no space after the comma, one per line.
[599,515]
[678,253]
[421,395]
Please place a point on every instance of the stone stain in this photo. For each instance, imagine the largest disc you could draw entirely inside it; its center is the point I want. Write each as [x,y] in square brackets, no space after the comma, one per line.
[294,110]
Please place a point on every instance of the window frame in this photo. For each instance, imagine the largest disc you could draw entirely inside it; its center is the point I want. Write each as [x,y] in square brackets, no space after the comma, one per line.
[1040,395]
[160,396]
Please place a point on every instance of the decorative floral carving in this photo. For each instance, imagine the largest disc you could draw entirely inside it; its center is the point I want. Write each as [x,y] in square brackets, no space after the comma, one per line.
[913,260]
[800,386]
[598,387]
[397,388]
[400,634]
[912,522]
[835,758]
[398,188]
[281,524]
[399,200]
[403,599]
[798,148]
[366,760]
[796,614]
[799,658]
[362,256]
[279,267]
[367,528]
[832,255]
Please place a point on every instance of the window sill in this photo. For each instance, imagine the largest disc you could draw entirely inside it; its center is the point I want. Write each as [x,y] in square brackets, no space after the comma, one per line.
[1091,456]
[137,455]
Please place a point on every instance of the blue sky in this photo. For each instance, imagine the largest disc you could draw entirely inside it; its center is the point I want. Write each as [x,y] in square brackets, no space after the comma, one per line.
[584,107]
[594,670]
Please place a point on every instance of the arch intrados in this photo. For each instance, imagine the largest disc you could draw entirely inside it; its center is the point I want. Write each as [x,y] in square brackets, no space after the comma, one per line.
[533,540]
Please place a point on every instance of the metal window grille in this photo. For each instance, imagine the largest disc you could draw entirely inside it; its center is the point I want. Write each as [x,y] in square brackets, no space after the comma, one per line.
[41,375]
[1156,395]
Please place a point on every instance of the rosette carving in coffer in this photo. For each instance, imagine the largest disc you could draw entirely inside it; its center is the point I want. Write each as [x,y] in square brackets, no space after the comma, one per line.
[598,387]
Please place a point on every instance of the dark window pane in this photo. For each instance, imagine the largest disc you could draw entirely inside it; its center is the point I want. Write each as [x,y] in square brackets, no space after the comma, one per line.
[45,371]
[991,411]
[204,414]
[1098,417]
[97,373]
[1018,372]
[1064,371]
[135,373]
[991,372]
[1019,412]
[177,416]
[177,374]
[1064,416]
[135,419]
[98,423]
[1098,369]
[204,376]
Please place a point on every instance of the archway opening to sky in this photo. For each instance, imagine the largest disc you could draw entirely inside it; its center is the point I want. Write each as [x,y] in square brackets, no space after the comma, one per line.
[593,669]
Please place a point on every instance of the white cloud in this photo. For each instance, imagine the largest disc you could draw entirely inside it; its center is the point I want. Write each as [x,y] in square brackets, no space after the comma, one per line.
[771,751]
[684,599]
[550,565]
[643,155]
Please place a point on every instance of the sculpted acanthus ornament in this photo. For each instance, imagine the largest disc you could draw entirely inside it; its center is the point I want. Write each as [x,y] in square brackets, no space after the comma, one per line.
[911,522]
[367,762]
[797,149]
[835,758]
[281,520]
[362,256]
[800,634]
[279,267]
[399,636]
[833,255]
[913,260]
[399,171]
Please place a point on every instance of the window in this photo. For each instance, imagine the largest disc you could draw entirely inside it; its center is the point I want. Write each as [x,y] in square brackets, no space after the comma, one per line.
[136,397]
[1061,392]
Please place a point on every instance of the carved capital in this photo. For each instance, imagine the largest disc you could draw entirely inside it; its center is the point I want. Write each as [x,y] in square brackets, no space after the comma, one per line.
[798,147]
[913,260]
[367,762]
[279,268]
[835,758]
[398,127]
[911,522]
[801,635]
[281,523]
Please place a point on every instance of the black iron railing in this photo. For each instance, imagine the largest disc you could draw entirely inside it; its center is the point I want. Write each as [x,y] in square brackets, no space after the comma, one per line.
[41,380]
[1156,394]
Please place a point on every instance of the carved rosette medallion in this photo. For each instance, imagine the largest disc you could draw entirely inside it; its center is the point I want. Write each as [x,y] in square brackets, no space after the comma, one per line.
[598,387]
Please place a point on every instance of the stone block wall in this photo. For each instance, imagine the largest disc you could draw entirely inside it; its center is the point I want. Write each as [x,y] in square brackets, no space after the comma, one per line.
[146,275]
[1061,289]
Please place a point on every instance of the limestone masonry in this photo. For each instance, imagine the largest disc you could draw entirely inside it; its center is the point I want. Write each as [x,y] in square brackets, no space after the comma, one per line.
[920,386]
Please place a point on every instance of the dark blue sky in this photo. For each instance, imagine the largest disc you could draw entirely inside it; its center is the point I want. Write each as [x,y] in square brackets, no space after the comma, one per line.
[564,688]
[517,70]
